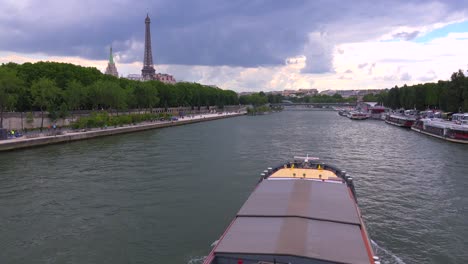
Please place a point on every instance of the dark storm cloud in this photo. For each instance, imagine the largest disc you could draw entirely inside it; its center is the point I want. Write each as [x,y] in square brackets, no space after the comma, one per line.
[245,33]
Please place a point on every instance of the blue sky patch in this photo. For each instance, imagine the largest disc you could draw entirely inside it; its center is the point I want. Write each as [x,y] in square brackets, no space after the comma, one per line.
[443,32]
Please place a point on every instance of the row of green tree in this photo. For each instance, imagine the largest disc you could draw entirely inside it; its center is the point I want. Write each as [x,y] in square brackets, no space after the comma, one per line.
[261,98]
[60,87]
[323,98]
[257,99]
[451,96]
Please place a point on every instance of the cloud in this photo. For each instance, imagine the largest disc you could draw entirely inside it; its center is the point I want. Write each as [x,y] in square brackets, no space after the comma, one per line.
[319,53]
[296,60]
[405,77]
[406,35]
[362,65]
[211,32]
[403,62]
[247,45]
[429,76]
[371,69]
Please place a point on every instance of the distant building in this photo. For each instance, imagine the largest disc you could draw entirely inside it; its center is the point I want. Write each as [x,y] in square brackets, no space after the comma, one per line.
[165,78]
[307,92]
[275,92]
[135,77]
[347,93]
[351,93]
[288,92]
[111,69]
[328,92]
[369,91]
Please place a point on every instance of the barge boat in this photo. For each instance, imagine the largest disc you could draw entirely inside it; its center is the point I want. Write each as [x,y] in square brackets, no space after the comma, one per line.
[402,120]
[454,131]
[356,115]
[302,212]
[343,113]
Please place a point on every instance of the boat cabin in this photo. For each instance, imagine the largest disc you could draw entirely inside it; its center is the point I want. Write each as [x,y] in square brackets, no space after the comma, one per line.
[460,118]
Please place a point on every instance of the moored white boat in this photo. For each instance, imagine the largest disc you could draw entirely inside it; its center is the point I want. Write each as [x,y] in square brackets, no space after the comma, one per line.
[454,131]
[356,115]
[405,119]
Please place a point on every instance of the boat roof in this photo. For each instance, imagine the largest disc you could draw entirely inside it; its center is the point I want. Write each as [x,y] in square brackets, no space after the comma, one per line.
[298,217]
[405,117]
[444,124]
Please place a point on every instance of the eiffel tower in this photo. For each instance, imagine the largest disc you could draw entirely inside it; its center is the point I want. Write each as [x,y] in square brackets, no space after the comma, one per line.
[147,73]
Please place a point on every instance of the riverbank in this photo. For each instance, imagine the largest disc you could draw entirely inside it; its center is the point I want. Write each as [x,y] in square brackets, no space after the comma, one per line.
[23,142]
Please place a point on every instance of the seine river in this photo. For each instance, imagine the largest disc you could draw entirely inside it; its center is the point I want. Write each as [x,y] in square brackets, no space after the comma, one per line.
[164,196]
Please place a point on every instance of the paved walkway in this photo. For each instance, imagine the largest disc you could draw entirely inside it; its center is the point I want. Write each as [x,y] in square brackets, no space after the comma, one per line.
[46,138]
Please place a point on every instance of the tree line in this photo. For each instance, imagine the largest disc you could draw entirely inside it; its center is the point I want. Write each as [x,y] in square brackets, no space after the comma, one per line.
[450,96]
[323,98]
[61,87]
[257,99]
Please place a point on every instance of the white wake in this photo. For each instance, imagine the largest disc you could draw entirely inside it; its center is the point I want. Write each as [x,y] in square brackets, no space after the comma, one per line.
[386,257]
[196,260]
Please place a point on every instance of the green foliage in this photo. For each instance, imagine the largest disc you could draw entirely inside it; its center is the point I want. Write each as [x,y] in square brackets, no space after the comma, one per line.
[103,119]
[323,98]
[449,96]
[63,110]
[370,98]
[146,95]
[75,95]
[82,88]
[9,84]
[29,117]
[255,99]
[258,110]
[45,93]
[274,98]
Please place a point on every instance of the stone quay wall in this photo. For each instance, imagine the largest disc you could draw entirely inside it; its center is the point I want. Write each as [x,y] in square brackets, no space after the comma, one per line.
[6,145]
[20,121]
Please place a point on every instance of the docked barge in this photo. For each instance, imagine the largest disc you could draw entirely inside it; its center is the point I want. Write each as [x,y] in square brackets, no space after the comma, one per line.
[357,115]
[302,212]
[454,131]
[400,120]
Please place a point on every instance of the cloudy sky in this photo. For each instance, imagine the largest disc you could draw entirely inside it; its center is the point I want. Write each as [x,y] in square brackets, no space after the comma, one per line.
[248,45]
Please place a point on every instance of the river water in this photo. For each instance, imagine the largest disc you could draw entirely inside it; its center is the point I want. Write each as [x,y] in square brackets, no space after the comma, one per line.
[164,196]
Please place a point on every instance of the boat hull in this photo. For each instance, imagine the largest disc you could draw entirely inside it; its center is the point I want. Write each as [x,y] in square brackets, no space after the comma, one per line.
[455,140]
[399,121]
[358,117]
